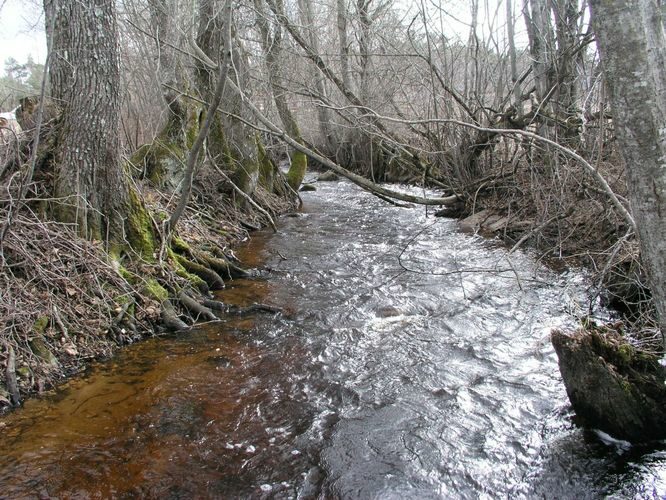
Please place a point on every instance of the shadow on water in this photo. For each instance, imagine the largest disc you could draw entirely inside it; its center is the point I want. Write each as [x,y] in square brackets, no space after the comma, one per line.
[414,363]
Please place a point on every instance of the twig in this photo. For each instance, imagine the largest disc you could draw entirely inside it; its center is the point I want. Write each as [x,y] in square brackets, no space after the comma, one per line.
[245,196]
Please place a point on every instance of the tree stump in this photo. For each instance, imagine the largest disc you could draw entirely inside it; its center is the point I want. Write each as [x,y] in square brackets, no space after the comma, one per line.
[611,385]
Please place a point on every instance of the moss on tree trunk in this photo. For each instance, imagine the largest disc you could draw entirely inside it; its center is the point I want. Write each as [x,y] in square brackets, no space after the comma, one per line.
[163,160]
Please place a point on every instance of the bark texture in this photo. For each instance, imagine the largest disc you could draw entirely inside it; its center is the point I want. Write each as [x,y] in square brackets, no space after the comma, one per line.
[231,143]
[272,46]
[631,40]
[85,80]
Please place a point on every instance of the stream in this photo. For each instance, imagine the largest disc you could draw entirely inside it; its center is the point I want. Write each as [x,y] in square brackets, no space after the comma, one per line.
[413,362]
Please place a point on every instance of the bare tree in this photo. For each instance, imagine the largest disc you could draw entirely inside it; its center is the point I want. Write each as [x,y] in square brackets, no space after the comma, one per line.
[632,44]
[271,43]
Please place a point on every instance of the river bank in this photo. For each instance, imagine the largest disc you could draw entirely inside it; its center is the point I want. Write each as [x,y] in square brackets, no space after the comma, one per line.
[67,302]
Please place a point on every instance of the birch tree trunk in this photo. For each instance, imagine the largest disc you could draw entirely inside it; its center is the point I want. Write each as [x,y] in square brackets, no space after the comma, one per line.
[630,35]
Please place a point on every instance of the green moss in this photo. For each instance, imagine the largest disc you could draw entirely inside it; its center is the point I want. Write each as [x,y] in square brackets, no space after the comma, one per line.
[41,350]
[246,177]
[183,273]
[140,233]
[153,289]
[266,167]
[210,278]
[129,276]
[297,169]
[626,353]
[40,324]
[179,244]
[140,156]
[626,386]
[194,117]
[163,161]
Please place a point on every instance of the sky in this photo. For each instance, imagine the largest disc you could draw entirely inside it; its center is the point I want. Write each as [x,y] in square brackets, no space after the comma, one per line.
[21,31]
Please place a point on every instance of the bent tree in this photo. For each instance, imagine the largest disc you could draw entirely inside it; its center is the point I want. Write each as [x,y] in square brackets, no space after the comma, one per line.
[631,40]
[90,183]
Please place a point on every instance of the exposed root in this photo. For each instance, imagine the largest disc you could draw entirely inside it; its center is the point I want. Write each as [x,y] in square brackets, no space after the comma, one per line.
[170,319]
[12,384]
[212,279]
[216,305]
[198,310]
[222,266]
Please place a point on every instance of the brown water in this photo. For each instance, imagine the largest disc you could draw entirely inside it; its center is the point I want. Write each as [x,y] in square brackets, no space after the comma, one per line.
[413,362]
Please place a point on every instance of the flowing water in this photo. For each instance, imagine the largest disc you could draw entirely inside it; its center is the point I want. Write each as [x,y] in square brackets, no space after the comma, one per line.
[413,361]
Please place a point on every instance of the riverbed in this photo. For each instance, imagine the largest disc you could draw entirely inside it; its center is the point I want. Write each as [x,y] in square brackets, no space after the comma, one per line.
[411,361]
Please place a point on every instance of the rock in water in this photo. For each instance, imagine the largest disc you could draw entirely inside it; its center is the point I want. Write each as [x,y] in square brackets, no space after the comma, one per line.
[612,386]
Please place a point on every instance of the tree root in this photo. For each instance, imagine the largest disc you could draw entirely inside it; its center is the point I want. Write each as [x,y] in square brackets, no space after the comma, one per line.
[170,319]
[222,266]
[196,308]
[242,311]
[212,279]
[216,305]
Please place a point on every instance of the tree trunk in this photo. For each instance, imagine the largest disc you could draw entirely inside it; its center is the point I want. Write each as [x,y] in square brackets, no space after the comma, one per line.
[631,40]
[323,113]
[341,6]
[85,80]
[231,143]
[272,47]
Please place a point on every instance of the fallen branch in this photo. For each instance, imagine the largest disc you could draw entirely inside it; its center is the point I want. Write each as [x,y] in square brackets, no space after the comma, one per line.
[10,373]
[281,134]
[355,178]
[504,131]
[540,227]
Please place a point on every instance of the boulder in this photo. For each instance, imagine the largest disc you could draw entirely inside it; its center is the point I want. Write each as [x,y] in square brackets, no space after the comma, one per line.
[612,385]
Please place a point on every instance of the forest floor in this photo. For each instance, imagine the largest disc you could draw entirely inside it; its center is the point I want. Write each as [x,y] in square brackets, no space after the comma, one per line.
[64,302]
